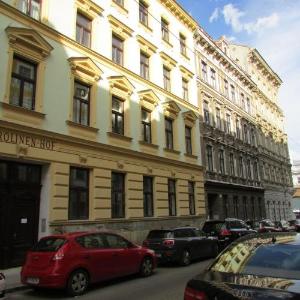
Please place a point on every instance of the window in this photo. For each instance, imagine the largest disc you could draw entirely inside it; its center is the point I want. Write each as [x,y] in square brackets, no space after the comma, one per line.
[182,39]
[191,191]
[228,124]
[249,173]
[218,118]
[167,78]
[117,115]
[245,133]
[119,2]
[232,89]
[81,103]
[79,194]
[204,71]
[116,241]
[83,30]
[165,30]
[148,196]
[213,77]
[169,133]
[226,91]
[31,8]
[117,195]
[248,106]
[144,65]
[206,113]
[188,139]
[117,50]
[143,15]
[243,101]
[209,155]
[252,137]
[241,167]
[146,126]
[23,83]
[185,89]
[238,128]
[255,170]
[172,197]
[221,162]
[231,163]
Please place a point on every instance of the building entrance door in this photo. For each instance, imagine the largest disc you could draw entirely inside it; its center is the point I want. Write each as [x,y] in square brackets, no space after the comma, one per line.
[20,186]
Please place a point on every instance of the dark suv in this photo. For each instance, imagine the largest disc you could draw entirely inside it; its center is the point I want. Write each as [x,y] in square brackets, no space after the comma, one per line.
[226,230]
[181,245]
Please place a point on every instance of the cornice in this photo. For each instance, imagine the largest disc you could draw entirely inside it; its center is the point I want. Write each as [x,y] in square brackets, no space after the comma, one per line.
[56,36]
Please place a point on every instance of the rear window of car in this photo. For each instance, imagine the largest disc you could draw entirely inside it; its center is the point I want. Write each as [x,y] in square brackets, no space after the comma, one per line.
[212,227]
[236,225]
[49,244]
[260,258]
[160,234]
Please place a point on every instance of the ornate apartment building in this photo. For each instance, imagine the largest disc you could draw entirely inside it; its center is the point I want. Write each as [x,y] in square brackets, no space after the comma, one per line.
[245,148]
[98,119]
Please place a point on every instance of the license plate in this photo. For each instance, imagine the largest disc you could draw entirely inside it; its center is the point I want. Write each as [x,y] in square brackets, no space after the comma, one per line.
[33,280]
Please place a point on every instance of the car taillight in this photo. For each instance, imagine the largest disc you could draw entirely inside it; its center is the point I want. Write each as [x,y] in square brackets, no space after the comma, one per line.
[225,232]
[145,243]
[169,243]
[2,276]
[191,294]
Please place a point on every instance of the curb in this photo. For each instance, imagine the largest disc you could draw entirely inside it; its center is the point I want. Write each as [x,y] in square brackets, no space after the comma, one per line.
[16,289]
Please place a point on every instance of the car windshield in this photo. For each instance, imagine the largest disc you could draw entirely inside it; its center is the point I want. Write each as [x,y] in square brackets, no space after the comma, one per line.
[260,256]
[160,234]
[49,244]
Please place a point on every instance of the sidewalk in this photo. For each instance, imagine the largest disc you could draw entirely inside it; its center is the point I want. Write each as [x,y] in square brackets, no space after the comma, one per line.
[12,279]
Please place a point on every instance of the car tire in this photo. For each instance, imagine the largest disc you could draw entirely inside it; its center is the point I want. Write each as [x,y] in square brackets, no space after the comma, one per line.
[77,283]
[185,258]
[146,268]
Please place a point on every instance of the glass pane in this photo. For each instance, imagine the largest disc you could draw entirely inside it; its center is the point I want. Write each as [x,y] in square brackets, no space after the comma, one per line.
[81,91]
[22,172]
[145,116]
[28,95]
[35,9]
[15,89]
[120,124]
[79,177]
[84,114]
[117,105]
[82,205]
[78,33]
[86,40]
[76,111]
[147,134]
[83,21]
[22,5]
[24,69]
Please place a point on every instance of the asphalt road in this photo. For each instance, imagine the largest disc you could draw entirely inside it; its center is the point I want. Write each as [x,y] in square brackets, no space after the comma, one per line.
[167,283]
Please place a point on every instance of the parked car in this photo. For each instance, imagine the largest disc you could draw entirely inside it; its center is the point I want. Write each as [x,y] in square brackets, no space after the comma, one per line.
[295,224]
[2,285]
[283,225]
[256,266]
[181,245]
[74,260]
[267,226]
[226,230]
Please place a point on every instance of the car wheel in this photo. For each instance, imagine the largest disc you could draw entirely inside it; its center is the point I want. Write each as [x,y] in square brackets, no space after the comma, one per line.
[146,268]
[185,259]
[77,283]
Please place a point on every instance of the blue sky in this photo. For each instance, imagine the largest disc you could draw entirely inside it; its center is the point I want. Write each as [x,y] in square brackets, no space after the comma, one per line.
[273,28]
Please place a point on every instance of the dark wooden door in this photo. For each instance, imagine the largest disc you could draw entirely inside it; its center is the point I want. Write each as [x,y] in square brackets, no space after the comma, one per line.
[19,211]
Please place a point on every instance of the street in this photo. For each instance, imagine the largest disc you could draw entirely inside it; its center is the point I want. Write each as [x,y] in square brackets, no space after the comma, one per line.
[166,283]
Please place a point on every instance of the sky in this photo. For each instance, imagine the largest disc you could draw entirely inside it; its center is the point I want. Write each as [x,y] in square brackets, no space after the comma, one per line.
[273,28]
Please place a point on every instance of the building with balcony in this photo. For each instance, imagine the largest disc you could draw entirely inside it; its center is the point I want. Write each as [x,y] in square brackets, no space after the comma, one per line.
[98,120]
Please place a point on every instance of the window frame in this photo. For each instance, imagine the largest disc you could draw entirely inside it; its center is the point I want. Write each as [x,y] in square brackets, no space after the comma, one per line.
[84,29]
[146,125]
[185,89]
[143,13]
[206,113]
[169,133]
[148,197]
[144,65]
[165,33]
[182,41]
[209,157]
[172,197]
[116,114]
[191,194]
[221,162]
[116,211]
[116,50]
[188,140]
[28,6]
[167,78]
[82,101]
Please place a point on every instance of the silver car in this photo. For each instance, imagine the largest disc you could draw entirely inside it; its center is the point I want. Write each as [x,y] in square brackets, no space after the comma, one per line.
[2,285]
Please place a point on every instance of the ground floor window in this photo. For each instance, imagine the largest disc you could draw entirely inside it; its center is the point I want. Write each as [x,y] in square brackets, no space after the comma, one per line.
[148,196]
[172,197]
[117,195]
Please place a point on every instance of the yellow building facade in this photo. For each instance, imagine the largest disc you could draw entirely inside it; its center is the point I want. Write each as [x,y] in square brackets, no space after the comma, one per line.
[98,120]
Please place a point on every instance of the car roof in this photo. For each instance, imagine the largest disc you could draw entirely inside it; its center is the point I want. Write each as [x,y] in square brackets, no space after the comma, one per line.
[175,228]
[77,234]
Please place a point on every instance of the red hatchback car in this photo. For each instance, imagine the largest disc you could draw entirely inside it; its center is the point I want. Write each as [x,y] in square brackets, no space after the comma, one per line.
[74,260]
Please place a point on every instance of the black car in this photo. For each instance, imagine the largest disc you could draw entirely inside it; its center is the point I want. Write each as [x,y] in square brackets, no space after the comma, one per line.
[181,245]
[256,266]
[226,230]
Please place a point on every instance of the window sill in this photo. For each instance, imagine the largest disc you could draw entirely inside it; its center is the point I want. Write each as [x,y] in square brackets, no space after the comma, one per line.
[22,110]
[185,56]
[190,155]
[172,151]
[84,127]
[148,144]
[146,27]
[167,43]
[120,8]
[119,136]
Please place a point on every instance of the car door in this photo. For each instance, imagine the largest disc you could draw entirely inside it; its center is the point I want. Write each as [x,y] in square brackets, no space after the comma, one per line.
[126,257]
[204,244]
[97,256]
